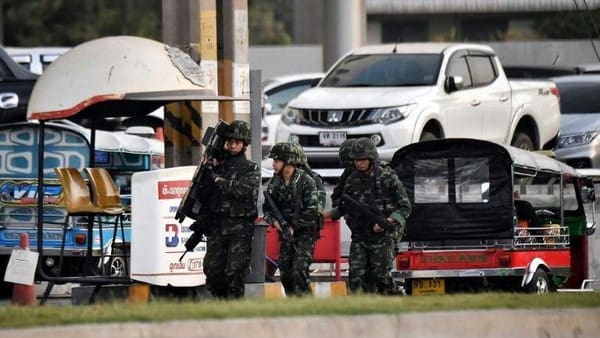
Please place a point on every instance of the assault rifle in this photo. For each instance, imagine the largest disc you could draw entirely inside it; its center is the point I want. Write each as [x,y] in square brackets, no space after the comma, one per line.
[200,229]
[369,212]
[285,227]
[195,198]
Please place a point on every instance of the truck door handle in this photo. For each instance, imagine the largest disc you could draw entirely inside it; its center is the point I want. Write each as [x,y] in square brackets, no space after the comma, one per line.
[503,98]
[9,100]
[475,103]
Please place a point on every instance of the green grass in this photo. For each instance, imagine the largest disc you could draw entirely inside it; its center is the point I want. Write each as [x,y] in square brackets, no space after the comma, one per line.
[163,310]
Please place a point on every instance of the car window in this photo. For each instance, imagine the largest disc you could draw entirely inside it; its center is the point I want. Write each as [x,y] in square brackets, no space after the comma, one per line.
[458,67]
[280,96]
[384,70]
[5,72]
[482,69]
[579,97]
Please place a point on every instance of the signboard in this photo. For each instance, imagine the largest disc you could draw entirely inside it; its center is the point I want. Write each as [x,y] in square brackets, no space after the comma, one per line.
[157,239]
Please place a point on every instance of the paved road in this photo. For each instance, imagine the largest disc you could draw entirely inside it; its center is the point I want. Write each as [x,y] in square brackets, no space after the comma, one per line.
[580,323]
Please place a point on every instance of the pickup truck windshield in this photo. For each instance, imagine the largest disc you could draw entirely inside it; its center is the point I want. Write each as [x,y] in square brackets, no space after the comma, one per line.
[385,70]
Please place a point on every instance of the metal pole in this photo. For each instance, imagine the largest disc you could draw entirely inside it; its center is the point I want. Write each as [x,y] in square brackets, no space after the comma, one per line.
[256,274]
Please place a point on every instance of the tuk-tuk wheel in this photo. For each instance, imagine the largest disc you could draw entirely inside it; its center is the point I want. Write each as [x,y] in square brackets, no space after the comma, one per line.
[540,283]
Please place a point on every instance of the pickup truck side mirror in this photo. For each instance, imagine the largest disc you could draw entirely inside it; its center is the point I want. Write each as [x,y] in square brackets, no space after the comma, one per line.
[453,83]
[267,109]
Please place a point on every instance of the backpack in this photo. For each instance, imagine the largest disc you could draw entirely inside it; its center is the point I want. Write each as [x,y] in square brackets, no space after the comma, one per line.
[321,193]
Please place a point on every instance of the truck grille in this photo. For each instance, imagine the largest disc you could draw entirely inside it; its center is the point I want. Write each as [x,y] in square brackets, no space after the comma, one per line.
[336,117]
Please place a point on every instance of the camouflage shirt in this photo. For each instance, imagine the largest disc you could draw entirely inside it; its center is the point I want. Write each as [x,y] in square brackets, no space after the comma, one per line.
[300,211]
[381,188]
[235,190]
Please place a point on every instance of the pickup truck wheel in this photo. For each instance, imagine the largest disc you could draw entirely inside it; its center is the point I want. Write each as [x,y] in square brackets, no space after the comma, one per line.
[540,283]
[523,141]
[427,136]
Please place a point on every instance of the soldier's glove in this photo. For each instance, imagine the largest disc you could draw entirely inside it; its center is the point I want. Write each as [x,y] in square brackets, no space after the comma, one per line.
[210,173]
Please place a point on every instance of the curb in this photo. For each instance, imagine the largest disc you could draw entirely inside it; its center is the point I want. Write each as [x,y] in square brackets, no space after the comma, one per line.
[581,323]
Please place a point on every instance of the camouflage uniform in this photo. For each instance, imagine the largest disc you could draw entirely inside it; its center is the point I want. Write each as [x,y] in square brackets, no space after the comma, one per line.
[371,253]
[348,166]
[232,211]
[298,205]
[321,192]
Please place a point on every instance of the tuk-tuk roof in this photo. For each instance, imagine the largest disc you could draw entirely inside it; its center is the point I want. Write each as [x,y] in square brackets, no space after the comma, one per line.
[116,141]
[590,172]
[117,76]
[520,158]
[540,162]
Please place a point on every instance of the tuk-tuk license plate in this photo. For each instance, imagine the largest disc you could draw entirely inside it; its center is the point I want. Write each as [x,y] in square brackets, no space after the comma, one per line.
[332,138]
[427,286]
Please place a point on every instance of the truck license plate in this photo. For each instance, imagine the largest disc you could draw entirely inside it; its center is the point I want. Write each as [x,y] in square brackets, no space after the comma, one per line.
[428,286]
[332,138]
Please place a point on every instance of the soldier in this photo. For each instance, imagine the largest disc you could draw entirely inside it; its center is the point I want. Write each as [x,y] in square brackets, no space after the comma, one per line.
[232,212]
[294,194]
[373,244]
[348,166]
[321,192]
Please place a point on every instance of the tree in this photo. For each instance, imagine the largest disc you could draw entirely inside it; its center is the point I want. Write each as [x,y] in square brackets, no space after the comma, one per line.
[71,22]
[569,25]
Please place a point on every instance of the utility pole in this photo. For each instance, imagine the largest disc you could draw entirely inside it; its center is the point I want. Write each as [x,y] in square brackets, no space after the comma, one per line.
[345,24]
[190,25]
[234,70]
[215,34]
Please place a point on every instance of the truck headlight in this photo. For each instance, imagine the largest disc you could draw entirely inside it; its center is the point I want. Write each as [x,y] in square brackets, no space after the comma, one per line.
[392,114]
[290,115]
[577,139]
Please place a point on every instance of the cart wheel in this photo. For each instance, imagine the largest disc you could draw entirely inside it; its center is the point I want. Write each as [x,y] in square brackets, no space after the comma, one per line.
[116,265]
[540,283]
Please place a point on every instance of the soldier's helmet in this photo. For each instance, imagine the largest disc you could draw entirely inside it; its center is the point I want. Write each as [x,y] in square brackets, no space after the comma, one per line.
[345,150]
[297,148]
[240,130]
[286,152]
[364,148]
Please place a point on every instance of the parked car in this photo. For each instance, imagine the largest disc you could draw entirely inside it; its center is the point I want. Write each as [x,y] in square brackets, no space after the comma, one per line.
[397,94]
[579,144]
[36,59]
[277,92]
[16,84]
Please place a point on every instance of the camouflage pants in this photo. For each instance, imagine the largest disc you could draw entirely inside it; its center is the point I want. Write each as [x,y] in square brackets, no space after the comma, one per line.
[294,265]
[225,263]
[370,263]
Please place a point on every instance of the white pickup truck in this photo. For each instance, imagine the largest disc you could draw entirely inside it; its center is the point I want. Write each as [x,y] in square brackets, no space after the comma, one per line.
[397,94]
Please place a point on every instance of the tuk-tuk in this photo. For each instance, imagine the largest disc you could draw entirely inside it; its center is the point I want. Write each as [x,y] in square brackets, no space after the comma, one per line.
[487,216]
[67,145]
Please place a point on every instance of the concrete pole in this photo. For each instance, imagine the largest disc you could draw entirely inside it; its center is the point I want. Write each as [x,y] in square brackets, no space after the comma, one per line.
[234,70]
[345,24]
[190,25]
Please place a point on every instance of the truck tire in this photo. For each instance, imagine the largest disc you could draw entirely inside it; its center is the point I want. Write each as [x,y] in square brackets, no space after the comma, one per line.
[540,283]
[427,136]
[523,141]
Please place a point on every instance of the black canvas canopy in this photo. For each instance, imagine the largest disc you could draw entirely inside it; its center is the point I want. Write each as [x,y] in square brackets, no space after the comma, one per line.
[459,189]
